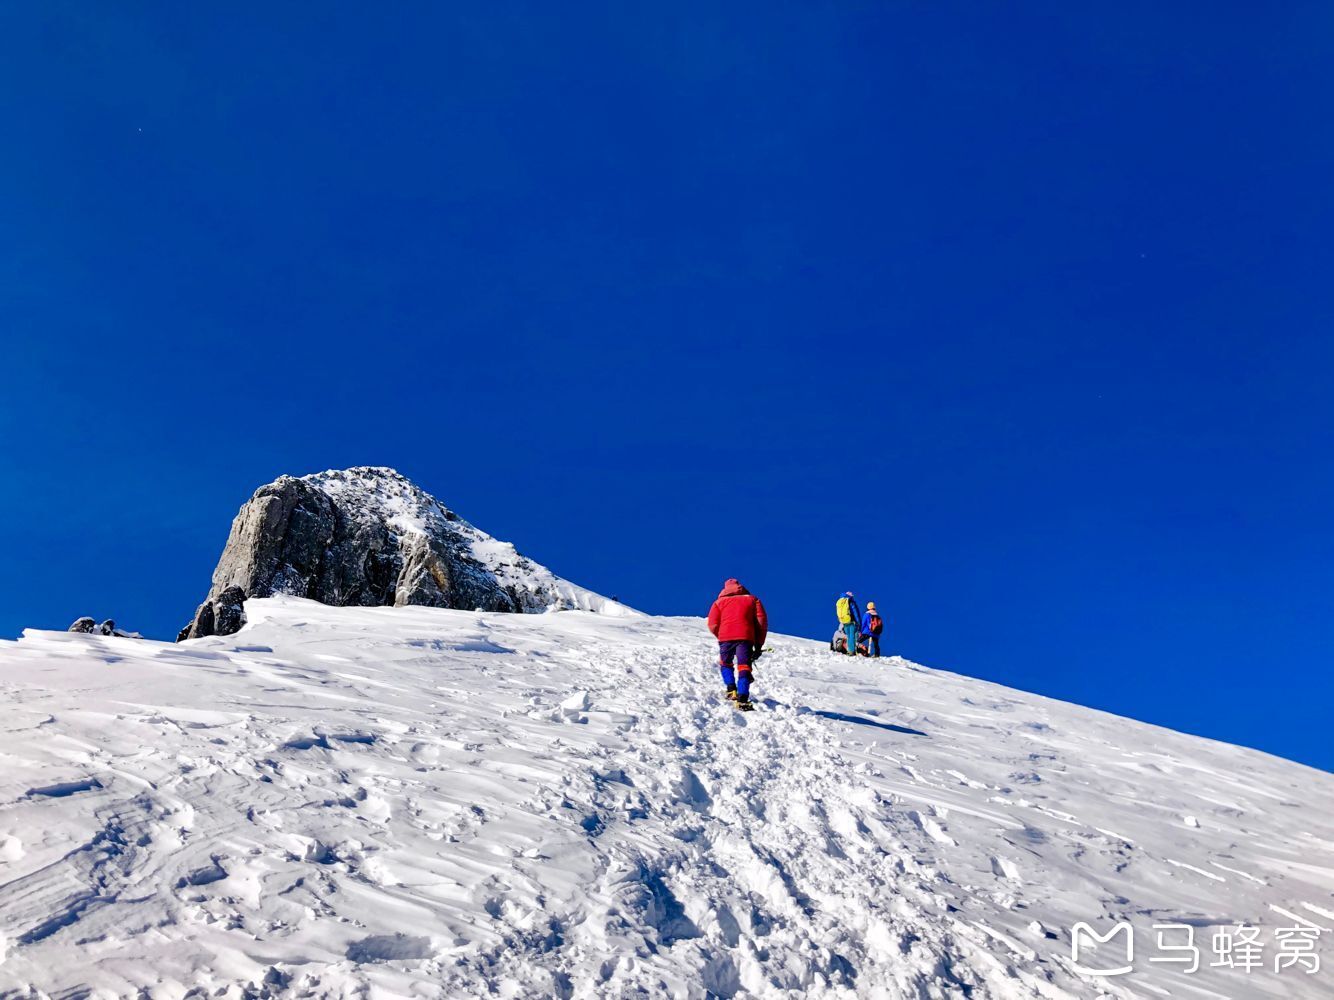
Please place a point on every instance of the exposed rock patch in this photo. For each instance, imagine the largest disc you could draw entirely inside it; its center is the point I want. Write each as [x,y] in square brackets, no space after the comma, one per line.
[89,626]
[221,615]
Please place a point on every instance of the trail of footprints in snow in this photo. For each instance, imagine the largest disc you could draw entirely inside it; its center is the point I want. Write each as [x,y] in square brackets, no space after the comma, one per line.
[778,890]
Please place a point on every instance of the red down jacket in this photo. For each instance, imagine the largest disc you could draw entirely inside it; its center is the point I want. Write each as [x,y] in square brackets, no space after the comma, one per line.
[738,614]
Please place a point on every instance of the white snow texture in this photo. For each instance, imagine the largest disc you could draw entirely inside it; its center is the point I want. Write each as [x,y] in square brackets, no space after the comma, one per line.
[414,802]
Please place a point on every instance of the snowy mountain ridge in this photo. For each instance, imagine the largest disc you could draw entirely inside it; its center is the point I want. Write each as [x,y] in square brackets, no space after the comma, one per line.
[381,802]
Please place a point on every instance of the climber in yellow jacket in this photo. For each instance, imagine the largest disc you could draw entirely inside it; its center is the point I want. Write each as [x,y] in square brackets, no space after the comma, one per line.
[849,615]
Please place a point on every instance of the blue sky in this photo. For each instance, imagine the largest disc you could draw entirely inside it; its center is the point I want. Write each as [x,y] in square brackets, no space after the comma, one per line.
[1015,318]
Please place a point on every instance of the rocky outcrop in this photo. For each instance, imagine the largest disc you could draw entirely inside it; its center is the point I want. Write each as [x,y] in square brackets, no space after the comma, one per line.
[221,615]
[229,611]
[89,626]
[367,536]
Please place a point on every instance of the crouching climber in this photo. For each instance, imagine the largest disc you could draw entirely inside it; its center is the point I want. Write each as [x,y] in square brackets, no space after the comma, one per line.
[737,620]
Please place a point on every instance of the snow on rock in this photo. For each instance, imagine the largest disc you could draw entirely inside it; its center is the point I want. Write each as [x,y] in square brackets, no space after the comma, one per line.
[365,537]
[391,802]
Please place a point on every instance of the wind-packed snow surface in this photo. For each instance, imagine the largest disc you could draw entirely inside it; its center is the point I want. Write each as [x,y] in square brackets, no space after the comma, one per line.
[412,802]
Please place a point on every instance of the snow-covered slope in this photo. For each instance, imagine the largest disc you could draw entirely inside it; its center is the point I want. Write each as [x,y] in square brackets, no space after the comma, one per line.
[413,802]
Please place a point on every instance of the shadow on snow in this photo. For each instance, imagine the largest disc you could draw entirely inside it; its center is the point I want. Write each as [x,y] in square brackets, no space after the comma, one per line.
[844,717]
[859,720]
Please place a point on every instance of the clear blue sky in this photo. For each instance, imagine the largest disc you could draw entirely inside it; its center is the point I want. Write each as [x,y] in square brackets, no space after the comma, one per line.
[1016,318]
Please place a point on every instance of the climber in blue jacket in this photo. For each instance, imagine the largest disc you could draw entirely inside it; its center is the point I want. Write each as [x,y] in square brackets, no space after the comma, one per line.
[871,627]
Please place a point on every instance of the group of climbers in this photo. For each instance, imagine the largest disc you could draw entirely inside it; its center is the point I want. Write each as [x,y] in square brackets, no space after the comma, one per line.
[858,632]
[739,623]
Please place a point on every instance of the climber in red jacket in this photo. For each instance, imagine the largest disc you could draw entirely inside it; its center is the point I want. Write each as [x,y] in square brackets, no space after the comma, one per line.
[737,620]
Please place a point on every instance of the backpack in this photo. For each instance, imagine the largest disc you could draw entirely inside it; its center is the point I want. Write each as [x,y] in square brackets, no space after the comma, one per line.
[877,624]
[844,610]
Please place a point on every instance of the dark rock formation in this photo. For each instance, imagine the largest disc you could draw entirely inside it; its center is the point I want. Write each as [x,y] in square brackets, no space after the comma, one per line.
[229,611]
[369,537]
[89,626]
[221,615]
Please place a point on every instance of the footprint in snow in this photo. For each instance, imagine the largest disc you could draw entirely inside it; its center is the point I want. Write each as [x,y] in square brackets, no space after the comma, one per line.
[389,948]
[63,789]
